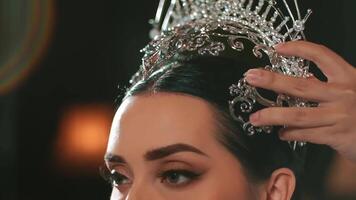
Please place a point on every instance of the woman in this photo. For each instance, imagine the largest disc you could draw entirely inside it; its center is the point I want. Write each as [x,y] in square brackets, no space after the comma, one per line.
[175,136]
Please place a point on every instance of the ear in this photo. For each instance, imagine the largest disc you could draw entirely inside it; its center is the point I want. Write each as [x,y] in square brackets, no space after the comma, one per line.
[281,185]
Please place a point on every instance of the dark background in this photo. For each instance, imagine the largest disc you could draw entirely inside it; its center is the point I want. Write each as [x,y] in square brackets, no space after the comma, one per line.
[93,49]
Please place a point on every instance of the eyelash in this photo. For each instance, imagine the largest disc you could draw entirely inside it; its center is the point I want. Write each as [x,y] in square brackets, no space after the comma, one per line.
[112,177]
[190,175]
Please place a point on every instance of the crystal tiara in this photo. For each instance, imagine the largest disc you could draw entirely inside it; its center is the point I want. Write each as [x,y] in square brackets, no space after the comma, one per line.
[186,28]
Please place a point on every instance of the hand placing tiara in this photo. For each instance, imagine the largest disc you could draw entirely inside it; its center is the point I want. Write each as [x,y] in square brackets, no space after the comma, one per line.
[333,122]
[308,109]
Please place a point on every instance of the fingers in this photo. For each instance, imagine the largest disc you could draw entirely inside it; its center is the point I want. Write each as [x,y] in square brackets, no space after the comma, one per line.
[294,117]
[330,63]
[321,135]
[311,89]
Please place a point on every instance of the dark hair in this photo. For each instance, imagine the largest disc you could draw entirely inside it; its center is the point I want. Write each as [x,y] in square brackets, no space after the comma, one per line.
[209,78]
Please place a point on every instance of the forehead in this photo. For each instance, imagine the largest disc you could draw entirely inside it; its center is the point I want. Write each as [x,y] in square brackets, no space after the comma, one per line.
[154,120]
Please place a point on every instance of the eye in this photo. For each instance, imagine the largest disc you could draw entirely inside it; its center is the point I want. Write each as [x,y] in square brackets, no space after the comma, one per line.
[177,178]
[113,177]
[118,179]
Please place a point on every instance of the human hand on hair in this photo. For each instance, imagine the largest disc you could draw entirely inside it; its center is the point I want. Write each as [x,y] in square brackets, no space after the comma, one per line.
[333,123]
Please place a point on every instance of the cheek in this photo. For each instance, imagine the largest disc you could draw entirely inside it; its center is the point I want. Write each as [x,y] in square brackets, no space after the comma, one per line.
[224,185]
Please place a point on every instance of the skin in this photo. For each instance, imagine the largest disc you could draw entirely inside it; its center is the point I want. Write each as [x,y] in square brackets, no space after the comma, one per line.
[145,123]
[333,122]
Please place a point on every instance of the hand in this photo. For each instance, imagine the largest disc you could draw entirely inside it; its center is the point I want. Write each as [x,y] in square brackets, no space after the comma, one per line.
[333,123]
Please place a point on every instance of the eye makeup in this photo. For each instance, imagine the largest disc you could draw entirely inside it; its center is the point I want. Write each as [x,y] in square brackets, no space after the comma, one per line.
[177,174]
[114,177]
[178,177]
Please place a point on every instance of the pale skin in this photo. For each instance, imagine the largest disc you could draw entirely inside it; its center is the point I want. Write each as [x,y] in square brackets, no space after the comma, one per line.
[164,147]
[333,122]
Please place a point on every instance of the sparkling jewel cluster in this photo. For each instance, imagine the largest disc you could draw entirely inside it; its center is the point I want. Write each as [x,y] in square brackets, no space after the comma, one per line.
[191,28]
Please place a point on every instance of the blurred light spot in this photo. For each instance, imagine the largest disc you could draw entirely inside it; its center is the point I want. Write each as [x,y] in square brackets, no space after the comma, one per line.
[26,29]
[82,138]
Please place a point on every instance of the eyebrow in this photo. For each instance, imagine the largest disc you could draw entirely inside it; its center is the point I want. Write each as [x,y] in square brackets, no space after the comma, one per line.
[162,152]
[158,153]
[109,157]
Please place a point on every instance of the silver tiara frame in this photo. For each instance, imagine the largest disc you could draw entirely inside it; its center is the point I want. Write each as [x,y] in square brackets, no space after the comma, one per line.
[188,28]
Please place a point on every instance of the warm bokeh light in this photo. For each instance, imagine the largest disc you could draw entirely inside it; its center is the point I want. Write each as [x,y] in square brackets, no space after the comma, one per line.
[82,138]
[26,31]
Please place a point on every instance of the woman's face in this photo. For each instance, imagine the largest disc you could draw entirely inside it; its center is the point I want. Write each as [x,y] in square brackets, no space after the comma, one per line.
[163,146]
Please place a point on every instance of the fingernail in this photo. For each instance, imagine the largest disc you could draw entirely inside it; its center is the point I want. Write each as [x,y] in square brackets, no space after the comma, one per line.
[253,76]
[254,118]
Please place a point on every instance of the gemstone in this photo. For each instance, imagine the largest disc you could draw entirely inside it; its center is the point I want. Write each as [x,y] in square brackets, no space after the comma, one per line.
[298,26]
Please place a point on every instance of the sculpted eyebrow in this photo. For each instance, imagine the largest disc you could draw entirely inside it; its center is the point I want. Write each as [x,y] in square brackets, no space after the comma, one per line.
[114,158]
[158,153]
[162,152]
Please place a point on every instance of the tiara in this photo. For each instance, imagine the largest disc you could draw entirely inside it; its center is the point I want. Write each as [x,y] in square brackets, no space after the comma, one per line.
[184,29]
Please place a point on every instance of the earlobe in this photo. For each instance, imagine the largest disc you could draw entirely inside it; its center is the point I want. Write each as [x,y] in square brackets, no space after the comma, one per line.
[281,185]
